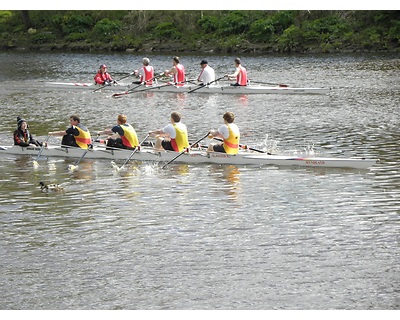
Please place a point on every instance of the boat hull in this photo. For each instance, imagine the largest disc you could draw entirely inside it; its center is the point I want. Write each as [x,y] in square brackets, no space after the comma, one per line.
[193,157]
[251,89]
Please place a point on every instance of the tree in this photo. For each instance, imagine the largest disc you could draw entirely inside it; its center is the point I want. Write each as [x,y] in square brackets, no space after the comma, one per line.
[25,19]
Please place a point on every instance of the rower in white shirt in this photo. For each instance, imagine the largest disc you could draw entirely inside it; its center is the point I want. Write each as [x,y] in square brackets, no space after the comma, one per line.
[207,73]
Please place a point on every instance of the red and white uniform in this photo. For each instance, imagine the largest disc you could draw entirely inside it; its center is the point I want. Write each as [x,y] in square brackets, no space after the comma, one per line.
[179,76]
[241,78]
[101,78]
[146,73]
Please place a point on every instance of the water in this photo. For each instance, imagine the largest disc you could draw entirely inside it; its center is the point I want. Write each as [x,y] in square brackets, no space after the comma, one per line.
[208,236]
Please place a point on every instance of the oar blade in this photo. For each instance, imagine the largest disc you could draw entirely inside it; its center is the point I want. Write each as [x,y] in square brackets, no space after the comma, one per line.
[72,167]
[44,144]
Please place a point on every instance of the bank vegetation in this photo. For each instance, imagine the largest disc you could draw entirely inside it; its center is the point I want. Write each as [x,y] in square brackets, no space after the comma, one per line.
[201,31]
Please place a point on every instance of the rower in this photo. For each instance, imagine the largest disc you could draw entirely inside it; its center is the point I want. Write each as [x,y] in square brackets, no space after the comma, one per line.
[173,136]
[145,73]
[177,71]
[207,73]
[122,136]
[230,134]
[77,135]
[240,74]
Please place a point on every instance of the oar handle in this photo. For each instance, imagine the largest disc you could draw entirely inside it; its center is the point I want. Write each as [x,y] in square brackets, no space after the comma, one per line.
[207,84]
[155,77]
[182,152]
[243,146]
[132,90]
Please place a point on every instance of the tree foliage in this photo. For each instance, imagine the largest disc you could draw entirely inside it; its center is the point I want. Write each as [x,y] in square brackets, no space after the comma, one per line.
[285,31]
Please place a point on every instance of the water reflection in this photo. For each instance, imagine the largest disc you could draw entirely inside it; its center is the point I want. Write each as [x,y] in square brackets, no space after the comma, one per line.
[196,232]
[227,179]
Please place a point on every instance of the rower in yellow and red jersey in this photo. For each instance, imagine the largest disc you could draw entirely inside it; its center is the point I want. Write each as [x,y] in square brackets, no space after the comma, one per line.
[177,71]
[77,135]
[229,133]
[173,136]
[123,135]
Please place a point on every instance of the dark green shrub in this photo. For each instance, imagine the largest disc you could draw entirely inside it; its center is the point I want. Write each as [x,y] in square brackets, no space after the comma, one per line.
[262,30]
[76,36]
[291,39]
[208,24]
[105,29]
[71,23]
[38,38]
[235,22]
[166,30]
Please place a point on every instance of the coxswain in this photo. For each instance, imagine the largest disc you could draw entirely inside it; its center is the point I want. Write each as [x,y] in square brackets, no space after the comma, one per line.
[102,77]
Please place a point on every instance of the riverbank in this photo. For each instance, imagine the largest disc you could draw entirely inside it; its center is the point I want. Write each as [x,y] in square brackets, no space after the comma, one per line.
[222,32]
[247,48]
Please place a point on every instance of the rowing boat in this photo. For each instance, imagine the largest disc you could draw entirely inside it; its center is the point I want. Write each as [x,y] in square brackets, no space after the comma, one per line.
[194,156]
[164,87]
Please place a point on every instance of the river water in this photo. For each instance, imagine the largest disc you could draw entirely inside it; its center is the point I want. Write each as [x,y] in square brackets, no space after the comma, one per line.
[207,236]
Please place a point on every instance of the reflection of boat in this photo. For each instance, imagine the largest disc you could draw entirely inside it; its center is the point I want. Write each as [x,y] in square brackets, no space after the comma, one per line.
[195,156]
[165,87]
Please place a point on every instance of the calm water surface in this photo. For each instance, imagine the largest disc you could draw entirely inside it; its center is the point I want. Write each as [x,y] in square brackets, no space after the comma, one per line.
[208,236]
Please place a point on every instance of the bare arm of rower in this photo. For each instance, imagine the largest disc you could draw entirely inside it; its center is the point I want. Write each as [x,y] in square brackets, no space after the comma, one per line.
[158,133]
[234,75]
[215,134]
[170,72]
[57,133]
[106,131]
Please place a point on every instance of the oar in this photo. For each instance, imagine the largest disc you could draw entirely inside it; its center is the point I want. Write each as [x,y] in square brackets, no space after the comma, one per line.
[243,146]
[115,81]
[203,85]
[173,159]
[133,152]
[147,89]
[74,166]
[272,84]
[132,89]
[35,162]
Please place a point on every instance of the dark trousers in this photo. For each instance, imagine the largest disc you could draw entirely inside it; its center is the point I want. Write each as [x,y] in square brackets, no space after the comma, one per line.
[69,140]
